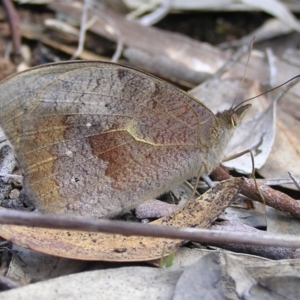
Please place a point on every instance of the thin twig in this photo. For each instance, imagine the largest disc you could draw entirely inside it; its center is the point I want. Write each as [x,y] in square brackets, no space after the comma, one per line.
[13,176]
[277,181]
[296,182]
[272,67]
[112,28]
[157,15]
[273,198]
[207,180]
[83,29]
[138,229]
[14,22]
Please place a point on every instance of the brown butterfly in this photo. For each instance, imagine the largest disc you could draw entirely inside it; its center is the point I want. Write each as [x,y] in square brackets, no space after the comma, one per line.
[95,138]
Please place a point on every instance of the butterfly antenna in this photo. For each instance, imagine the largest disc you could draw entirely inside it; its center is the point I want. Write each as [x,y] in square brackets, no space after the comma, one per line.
[245,71]
[286,82]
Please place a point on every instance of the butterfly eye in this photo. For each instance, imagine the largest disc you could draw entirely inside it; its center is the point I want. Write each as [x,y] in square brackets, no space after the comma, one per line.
[234,120]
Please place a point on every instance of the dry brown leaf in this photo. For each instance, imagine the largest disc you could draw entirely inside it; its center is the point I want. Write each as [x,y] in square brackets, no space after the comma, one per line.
[194,282]
[280,222]
[264,281]
[119,283]
[154,209]
[253,216]
[285,155]
[186,256]
[280,9]
[27,266]
[276,288]
[169,55]
[270,252]
[28,32]
[150,283]
[243,280]
[111,247]
[277,9]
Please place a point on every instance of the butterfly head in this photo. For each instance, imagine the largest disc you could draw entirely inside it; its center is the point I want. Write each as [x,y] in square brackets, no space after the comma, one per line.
[236,114]
[232,117]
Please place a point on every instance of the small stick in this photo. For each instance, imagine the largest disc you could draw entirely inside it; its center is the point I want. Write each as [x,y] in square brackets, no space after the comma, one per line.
[112,29]
[13,176]
[273,198]
[14,22]
[15,217]
[272,67]
[294,180]
[277,181]
[156,15]
[83,29]
[207,180]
